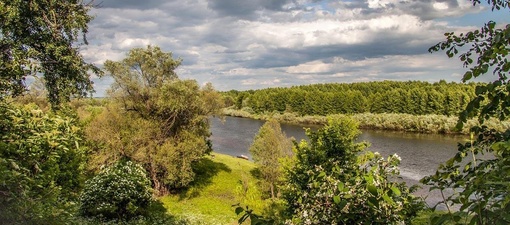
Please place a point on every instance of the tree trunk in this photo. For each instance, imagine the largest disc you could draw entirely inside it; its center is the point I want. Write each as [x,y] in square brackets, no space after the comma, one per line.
[158,186]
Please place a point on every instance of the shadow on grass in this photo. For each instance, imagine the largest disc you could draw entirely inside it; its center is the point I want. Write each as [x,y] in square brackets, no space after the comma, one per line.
[158,214]
[155,214]
[255,172]
[204,170]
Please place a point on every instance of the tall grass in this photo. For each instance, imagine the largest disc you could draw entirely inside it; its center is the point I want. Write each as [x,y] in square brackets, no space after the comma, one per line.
[438,124]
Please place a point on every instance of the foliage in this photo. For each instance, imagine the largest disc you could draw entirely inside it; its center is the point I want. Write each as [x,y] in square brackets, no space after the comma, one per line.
[333,180]
[139,75]
[480,183]
[43,37]
[410,97]
[155,119]
[269,147]
[479,175]
[121,191]
[41,162]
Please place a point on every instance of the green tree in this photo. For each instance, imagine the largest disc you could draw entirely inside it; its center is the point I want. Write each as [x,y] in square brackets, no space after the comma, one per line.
[269,147]
[43,37]
[156,119]
[42,157]
[334,181]
[483,190]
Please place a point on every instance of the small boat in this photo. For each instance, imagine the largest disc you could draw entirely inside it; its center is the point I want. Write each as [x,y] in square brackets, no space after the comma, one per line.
[242,157]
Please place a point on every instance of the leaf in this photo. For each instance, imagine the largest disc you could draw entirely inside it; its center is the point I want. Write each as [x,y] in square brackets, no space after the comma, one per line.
[373,201]
[342,204]
[341,186]
[467,76]
[336,199]
[396,191]
[372,189]
[388,199]
[239,210]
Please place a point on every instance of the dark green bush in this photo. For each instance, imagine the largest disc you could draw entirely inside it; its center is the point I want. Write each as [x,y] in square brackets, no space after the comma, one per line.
[119,192]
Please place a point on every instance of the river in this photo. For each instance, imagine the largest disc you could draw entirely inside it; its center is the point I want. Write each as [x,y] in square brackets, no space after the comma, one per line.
[421,153]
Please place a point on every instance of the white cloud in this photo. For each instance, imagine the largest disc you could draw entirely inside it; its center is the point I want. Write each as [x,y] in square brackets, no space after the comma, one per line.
[310,67]
[375,4]
[440,5]
[284,43]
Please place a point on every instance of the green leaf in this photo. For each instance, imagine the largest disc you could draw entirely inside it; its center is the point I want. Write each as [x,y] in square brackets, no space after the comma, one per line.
[372,189]
[239,210]
[342,204]
[336,199]
[341,186]
[467,76]
[373,201]
[388,199]
[396,191]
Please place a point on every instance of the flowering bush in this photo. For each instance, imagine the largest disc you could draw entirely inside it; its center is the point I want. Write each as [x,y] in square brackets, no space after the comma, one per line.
[121,191]
[335,181]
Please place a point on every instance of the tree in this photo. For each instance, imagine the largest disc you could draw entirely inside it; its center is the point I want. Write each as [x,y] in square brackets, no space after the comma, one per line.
[334,181]
[42,157]
[482,187]
[40,37]
[269,147]
[156,119]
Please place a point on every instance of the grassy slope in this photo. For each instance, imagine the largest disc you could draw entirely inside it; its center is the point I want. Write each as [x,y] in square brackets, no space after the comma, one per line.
[218,186]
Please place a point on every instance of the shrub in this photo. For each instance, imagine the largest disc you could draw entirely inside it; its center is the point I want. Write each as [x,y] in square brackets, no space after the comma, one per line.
[121,192]
[335,181]
[41,164]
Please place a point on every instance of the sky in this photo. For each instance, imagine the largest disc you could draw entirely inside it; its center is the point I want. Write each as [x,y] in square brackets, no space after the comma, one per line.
[254,44]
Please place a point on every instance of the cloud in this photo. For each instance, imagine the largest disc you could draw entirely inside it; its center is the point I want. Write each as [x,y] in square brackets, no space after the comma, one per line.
[263,43]
[245,9]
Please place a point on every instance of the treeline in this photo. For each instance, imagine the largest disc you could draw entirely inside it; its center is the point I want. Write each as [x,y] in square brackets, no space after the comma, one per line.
[409,97]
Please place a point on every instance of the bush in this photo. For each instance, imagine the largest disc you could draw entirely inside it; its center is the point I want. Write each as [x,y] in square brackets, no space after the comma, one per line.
[41,164]
[334,180]
[120,192]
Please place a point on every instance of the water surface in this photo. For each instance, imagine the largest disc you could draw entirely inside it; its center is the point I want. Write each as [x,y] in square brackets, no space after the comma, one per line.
[421,153]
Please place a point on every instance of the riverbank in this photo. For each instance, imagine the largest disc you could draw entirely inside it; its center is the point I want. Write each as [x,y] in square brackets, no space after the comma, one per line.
[222,181]
[432,124]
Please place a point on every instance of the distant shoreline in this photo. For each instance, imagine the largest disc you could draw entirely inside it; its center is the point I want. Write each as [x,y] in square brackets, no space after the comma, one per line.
[431,124]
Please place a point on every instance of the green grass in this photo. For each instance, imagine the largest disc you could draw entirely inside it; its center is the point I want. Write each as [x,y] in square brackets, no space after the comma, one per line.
[221,181]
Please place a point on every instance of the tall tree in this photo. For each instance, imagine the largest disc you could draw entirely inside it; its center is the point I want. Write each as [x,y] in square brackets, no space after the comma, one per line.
[41,154]
[42,37]
[484,190]
[156,120]
[269,147]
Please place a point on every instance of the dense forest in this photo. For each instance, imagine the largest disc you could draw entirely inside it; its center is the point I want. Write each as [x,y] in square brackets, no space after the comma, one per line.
[409,97]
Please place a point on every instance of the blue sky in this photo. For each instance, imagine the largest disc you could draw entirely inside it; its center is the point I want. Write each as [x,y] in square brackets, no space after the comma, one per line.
[261,43]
